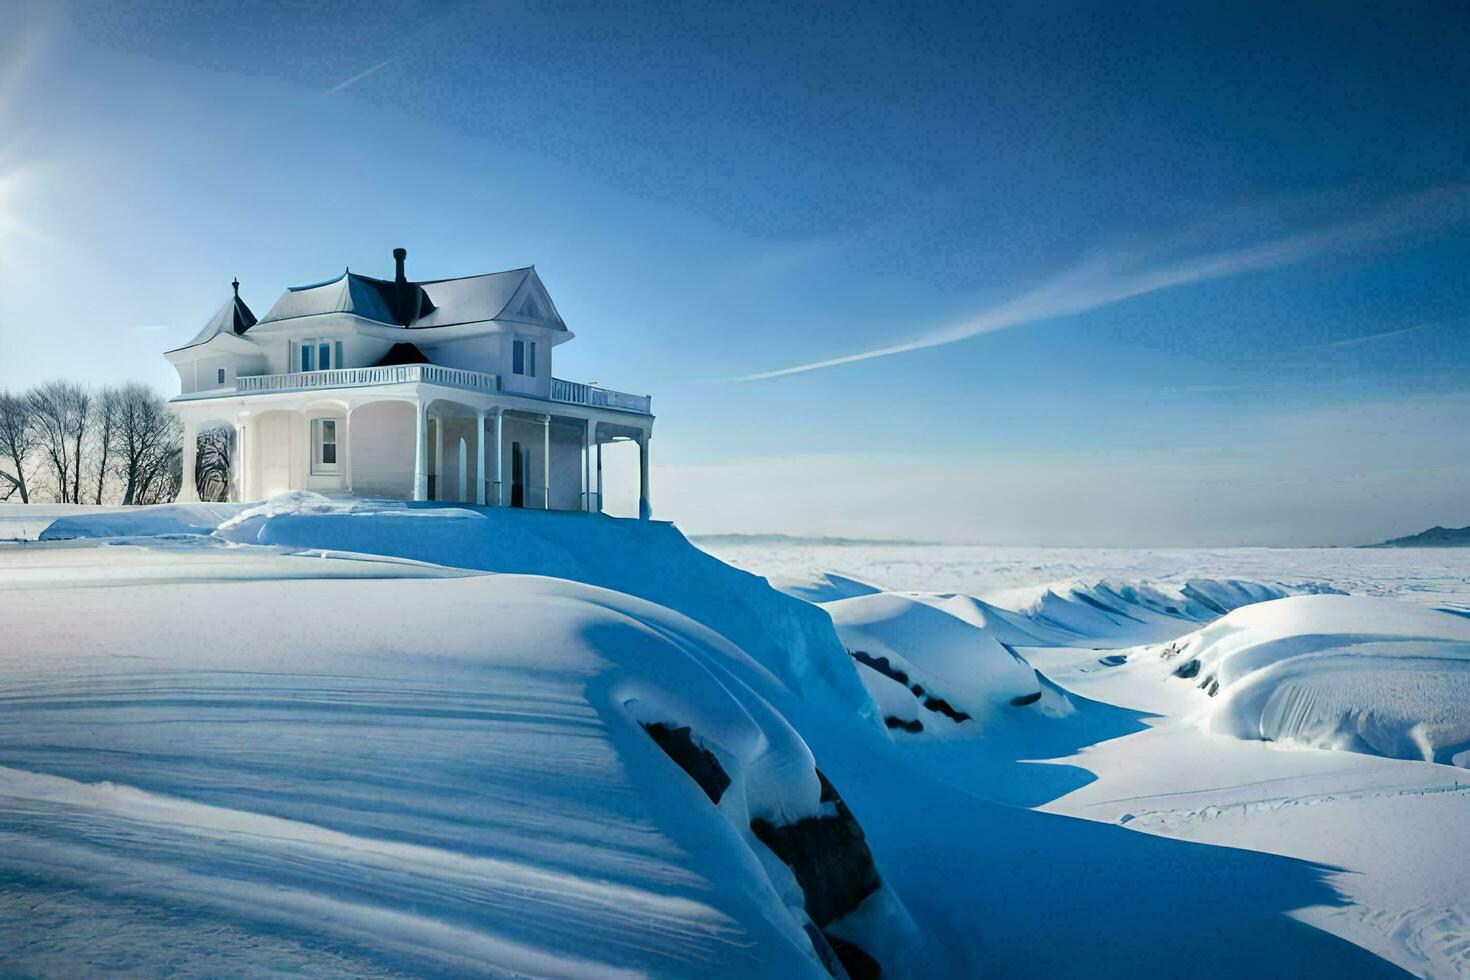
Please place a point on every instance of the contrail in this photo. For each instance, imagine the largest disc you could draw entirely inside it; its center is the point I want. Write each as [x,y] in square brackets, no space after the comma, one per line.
[1104,281]
[1368,339]
[360,76]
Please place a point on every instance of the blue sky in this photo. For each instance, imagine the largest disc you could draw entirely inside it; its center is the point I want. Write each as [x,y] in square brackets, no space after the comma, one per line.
[1152,275]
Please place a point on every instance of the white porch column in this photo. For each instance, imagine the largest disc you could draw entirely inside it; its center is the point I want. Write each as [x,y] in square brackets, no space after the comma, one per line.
[438,458]
[239,462]
[480,457]
[589,441]
[347,450]
[644,510]
[546,462]
[500,457]
[420,452]
[188,452]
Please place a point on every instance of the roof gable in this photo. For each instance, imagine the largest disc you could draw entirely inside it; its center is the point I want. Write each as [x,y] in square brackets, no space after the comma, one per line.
[517,295]
[234,318]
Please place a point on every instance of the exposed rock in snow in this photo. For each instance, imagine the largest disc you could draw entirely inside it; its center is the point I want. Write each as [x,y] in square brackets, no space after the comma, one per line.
[946,665]
[696,760]
[829,856]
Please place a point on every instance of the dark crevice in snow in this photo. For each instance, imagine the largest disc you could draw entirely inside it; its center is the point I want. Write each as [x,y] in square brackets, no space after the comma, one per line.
[828,855]
[1113,660]
[696,760]
[1190,668]
[881,665]
[1213,689]
[936,704]
[943,707]
[1021,700]
[909,726]
[855,960]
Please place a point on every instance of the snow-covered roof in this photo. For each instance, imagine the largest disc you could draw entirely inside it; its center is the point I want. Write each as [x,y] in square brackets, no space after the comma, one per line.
[347,293]
[517,294]
[234,318]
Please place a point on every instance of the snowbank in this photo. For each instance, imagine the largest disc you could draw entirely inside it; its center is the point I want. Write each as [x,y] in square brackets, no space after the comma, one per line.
[1084,613]
[1341,672]
[150,521]
[442,776]
[817,586]
[945,665]
[791,640]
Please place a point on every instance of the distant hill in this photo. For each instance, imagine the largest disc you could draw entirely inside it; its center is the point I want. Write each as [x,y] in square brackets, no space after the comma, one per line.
[1435,537]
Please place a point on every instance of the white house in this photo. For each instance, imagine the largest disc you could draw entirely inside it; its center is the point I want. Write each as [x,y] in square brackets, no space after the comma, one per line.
[437,390]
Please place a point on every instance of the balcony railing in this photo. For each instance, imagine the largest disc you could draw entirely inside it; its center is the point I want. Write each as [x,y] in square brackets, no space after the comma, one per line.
[357,377]
[573,393]
[566,392]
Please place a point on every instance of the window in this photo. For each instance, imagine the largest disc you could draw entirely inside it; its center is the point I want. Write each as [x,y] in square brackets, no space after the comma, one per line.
[221,375]
[518,357]
[324,446]
[531,361]
[320,355]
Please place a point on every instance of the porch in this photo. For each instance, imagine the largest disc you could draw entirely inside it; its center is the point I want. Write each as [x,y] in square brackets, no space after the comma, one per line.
[450,439]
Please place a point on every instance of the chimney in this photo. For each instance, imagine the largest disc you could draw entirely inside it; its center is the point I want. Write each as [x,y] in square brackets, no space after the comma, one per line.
[399,254]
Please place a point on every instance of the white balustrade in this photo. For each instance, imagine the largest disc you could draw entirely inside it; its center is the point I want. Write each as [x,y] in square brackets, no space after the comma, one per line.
[359,377]
[575,393]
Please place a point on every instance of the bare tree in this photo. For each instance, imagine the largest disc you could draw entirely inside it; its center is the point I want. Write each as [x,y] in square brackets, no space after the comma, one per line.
[212,470]
[105,439]
[62,414]
[17,441]
[146,437]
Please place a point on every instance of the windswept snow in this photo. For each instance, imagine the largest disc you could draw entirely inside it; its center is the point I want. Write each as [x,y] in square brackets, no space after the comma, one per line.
[821,586]
[944,662]
[315,736]
[420,775]
[1355,673]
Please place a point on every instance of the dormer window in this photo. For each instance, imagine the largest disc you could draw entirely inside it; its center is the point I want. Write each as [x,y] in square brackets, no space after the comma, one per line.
[221,378]
[523,358]
[320,355]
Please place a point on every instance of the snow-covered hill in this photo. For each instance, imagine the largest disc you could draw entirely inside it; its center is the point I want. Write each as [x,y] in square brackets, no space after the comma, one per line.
[318,737]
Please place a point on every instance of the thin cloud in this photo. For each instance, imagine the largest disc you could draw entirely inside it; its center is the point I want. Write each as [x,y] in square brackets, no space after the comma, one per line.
[360,76]
[1370,338]
[1111,279]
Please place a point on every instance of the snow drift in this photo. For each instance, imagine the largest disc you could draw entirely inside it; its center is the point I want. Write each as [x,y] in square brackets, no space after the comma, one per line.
[439,776]
[1341,672]
[931,671]
[1079,613]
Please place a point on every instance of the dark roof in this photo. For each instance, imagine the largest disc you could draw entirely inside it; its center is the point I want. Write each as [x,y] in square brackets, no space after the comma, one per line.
[428,303]
[403,354]
[384,300]
[234,317]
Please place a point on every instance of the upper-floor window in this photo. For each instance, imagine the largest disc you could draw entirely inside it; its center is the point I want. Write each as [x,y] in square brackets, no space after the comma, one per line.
[523,357]
[321,355]
[221,376]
